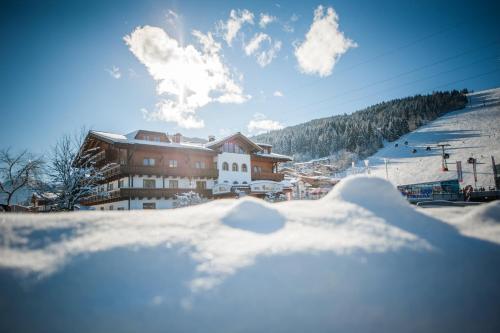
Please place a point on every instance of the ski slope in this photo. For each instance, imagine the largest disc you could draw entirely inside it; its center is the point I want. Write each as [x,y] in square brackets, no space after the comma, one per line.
[470,132]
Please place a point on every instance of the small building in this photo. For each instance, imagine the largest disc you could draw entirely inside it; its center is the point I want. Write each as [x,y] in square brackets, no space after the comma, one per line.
[43,202]
[436,190]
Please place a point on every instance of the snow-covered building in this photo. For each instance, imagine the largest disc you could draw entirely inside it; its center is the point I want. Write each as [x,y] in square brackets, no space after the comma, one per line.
[149,170]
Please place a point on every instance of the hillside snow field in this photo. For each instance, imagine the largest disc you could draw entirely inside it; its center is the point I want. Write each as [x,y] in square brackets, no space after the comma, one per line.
[359,260]
[471,132]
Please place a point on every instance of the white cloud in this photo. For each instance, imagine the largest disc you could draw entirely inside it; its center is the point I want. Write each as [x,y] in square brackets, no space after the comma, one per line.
[187,78]
[236,20]
[288,28]
[255,42]
[278,93]
[265,19]
[324,44]
[260,124]
[171,13]
[172,18]
[263,56]
[114,72]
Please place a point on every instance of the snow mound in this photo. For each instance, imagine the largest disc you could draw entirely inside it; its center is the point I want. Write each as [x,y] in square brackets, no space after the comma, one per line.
[367,191]
[485,214]
[254,215]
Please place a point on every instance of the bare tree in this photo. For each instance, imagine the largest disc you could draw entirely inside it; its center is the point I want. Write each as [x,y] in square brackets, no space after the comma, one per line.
[73,178]
[17,171]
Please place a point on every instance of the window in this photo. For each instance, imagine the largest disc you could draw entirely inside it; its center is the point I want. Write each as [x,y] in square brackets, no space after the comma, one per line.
[172,164]
[149,205]
[201,185]
[225,166]
[235,182]
[199,165]
[173,184]
[111,207]
[110,187]
[244,168]
[120,208]
[120,183]
[234,167]
[148,183]
[257,169]
[148,161]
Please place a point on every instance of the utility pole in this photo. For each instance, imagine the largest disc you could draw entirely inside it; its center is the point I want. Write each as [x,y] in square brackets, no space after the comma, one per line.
[444,165]
[495,172]
[386,161]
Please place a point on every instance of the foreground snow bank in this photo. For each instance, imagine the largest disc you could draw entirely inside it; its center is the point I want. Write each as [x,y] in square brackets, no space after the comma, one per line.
[359,257]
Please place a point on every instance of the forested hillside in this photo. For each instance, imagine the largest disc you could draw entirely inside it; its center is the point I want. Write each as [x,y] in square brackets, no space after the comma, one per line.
[362,132]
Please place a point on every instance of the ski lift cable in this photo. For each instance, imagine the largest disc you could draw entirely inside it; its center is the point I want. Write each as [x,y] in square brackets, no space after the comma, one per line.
[388,52]
[416,81]
[375,83]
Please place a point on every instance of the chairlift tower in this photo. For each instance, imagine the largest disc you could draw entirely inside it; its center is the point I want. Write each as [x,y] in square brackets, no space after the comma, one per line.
[444,165]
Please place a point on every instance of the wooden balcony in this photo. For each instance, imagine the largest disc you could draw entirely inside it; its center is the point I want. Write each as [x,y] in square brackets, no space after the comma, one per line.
[277,177]
[103,197]
[119,171]
[99,157]
[161,192]
[130,193]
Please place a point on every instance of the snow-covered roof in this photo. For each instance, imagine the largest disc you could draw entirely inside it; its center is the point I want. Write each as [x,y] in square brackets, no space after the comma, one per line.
[274,156]
[216,143]
[130,139]
[264,144]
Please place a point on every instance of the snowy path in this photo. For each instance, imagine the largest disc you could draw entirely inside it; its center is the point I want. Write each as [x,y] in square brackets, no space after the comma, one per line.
[471,132]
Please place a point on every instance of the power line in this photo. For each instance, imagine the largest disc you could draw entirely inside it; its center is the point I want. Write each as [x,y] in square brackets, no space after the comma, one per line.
[386,53]
[412,82]
[349,91]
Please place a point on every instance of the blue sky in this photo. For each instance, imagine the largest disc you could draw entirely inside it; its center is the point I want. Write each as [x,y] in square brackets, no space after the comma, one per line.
[57,63]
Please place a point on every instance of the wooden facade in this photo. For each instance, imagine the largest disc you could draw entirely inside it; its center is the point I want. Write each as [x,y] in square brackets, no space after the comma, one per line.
[155,157]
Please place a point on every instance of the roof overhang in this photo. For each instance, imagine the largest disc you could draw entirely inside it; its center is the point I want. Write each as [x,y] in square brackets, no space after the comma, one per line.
[235,136]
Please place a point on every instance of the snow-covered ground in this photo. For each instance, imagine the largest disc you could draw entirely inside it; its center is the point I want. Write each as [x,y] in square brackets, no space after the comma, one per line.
[360,259]
[471,132]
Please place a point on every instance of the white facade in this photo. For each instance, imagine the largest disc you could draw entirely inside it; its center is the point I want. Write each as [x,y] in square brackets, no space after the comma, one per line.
[229,176]
[118,205]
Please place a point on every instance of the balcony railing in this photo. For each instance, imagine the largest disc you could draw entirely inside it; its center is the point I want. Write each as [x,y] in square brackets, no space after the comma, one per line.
[101,197]
[99,157]
[161,192]
[122,170]
[277,177]
[129,193]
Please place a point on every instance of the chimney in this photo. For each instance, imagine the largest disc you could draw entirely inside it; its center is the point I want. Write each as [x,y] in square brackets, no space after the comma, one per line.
[177,138]
[211,138]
